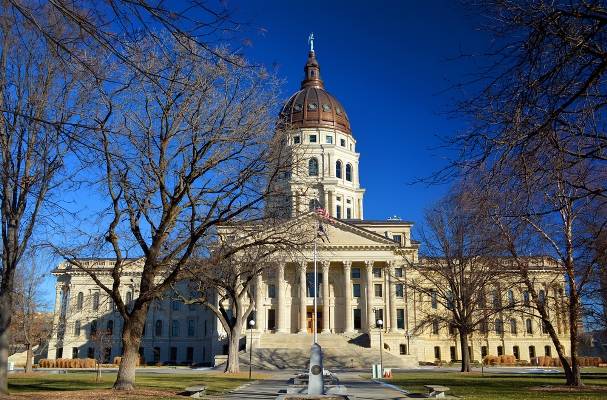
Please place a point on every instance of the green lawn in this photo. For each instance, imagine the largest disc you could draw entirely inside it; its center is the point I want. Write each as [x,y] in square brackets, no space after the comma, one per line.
[499,386]
[40,382]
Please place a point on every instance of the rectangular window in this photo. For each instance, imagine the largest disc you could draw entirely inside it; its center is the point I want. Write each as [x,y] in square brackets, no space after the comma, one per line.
[175,328]
[338,211]
[500,351]
[400,290]
[531,352]
[378,290]
[435,327]
[74,352]
[348,213]
[191,327]
[403,349]
[296,139]
[310,284]
[176,305]
[156,355]
[398,272]
[93,328]
[189,357]
[483,351]
[377,272]
[356,290]
[342,142]
[271,319]
[453,353]
[398,239]
[516,352]
[355,273]
[312,138]
[436,353]
[379,315]
[173,355]
[329,139]
[434,299]
[90,352]
[271,291]
[400,318]
[357,318]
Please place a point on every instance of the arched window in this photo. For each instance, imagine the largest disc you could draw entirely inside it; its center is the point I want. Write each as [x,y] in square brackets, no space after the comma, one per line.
[349,172]
[338,169]
[110,327]
[96,301]
[313,167]
[510,298]
[158,330]
[80,301]
[513,329]
[499,326]
[129,297]
[526,298]
[77,328]
[529,326]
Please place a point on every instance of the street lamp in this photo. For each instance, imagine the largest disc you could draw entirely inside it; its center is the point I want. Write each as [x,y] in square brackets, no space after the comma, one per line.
[251,325]
[380,323]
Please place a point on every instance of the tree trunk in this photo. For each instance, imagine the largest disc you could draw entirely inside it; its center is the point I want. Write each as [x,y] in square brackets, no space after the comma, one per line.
[233,363]
[131,339]
[575,377]
[30,356]
[463,341]
[3,360]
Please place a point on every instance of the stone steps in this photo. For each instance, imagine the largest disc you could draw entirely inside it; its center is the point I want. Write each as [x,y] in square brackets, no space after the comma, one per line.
[284,351]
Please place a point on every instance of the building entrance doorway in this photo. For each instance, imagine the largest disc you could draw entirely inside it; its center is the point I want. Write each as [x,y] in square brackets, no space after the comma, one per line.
[310,319]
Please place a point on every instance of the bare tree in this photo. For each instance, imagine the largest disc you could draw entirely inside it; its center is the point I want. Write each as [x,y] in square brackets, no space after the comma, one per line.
[102,345]
[224,282]
[35,87]
[180,157]
[457,268]
[31,323]
[537,138]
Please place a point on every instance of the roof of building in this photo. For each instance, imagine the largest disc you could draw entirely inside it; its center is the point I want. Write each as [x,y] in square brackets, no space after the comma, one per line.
[312,106]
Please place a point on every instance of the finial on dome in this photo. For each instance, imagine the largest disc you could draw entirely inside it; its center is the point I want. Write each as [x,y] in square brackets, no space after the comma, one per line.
[311,41]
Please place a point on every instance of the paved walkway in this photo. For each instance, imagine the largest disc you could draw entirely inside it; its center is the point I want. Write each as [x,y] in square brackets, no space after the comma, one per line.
[358,388]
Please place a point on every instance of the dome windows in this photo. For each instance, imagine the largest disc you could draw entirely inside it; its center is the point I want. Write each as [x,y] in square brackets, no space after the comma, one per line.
[326,107]
[312,106]
[338,167]
[337,110]
[349,172]
[298,107]
[313,167]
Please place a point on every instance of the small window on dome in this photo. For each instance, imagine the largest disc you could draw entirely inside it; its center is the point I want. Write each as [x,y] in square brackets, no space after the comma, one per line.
[342,142]
[312,106]
[312,138]
[326,107]
[329,139]
[312,73]
[337,110]
[298,107]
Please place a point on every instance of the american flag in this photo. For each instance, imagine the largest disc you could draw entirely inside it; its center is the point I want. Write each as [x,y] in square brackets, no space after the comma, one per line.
[323,213]
[325,216]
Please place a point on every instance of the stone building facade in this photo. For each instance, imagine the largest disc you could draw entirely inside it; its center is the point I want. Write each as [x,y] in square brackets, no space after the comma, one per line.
[363,270]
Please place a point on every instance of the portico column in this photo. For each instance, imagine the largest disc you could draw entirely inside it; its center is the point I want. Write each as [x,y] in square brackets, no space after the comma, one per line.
[392,291]
[260,312]
[369,295]
[280,277]
[303,328]
[325,297]
[348,294]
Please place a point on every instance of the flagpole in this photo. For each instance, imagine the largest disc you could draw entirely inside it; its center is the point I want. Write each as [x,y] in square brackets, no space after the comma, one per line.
[315,288]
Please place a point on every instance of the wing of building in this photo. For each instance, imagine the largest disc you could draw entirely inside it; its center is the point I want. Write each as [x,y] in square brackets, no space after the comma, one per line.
[362,274]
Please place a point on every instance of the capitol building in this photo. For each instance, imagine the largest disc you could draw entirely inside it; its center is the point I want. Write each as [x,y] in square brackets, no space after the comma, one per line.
[363,271]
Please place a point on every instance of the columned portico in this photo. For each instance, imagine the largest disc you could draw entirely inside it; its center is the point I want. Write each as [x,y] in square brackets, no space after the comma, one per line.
[370,323]
[282,306]
[349,327]
[325,297]
[302,298]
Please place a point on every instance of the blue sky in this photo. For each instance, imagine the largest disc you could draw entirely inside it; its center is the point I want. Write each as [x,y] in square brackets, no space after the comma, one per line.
[390,63]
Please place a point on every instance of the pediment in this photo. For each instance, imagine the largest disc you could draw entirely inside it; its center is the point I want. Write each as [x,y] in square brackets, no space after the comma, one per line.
[343,234]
